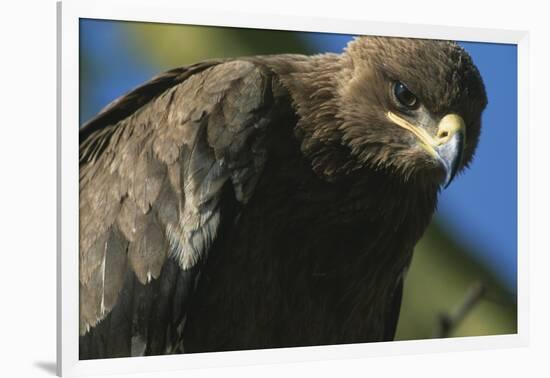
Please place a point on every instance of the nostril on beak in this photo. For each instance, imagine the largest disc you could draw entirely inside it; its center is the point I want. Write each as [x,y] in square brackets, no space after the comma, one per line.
[442,136]
[448,127]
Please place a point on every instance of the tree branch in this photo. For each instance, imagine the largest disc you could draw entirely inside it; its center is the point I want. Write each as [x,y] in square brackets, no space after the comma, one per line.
[448,322]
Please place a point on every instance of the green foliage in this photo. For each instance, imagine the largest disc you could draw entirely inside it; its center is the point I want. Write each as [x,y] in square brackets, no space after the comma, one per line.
[175,45]
[438,279]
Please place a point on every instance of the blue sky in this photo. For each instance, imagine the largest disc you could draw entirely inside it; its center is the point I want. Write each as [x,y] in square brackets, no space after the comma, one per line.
[479,209]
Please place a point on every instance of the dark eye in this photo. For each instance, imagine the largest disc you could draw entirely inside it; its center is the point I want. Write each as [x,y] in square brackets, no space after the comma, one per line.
[404,96]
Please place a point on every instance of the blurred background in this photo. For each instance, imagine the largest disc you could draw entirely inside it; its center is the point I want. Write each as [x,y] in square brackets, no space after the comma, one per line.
[473,238]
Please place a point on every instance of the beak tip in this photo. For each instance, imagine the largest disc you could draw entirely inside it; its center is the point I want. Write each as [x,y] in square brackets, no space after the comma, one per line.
[449,174]
[448,180]
[450,157]
[450,152]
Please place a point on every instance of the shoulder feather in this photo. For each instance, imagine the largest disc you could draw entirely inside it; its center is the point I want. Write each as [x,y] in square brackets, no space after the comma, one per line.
[153,168]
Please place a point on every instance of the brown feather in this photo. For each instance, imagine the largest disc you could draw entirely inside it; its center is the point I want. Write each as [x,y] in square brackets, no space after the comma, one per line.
[157,177]
[115,268]
[148,252]
[277,178]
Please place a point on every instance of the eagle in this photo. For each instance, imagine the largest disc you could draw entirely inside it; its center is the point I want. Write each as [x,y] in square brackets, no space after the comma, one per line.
[268,201]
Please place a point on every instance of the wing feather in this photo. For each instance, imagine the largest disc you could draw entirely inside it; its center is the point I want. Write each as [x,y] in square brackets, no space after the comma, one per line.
[153,166]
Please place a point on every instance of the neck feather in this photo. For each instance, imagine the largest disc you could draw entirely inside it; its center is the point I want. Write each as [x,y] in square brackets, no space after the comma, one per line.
[313,84]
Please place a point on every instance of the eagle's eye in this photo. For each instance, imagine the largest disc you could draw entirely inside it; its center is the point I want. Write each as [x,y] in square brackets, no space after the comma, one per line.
[404,96]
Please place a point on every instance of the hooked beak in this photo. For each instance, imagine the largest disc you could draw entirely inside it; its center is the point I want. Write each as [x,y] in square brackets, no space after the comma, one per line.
[447,147]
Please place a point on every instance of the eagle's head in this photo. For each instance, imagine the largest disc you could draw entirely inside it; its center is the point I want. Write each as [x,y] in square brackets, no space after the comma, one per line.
[410,107]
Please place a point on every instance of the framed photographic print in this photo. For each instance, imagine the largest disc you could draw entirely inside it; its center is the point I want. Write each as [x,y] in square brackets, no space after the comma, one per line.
[240,189]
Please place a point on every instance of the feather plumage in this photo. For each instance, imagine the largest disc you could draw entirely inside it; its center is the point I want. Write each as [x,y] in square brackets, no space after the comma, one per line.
[261,202]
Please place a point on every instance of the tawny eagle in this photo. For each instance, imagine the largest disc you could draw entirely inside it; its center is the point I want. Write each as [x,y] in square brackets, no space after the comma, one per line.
[268,201]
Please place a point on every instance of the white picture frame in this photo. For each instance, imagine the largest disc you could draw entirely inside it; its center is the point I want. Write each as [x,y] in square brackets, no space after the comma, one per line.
[69,13]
